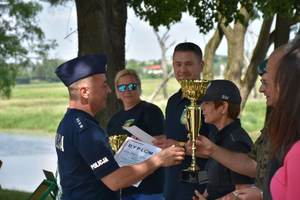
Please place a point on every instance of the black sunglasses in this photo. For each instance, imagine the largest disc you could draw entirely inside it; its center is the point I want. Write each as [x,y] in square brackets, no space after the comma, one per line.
[128,87]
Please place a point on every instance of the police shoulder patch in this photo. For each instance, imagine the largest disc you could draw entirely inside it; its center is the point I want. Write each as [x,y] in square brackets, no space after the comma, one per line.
[59,142]
[80,123]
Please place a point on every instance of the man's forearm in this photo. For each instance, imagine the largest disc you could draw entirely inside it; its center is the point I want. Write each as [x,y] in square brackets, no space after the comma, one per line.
[238,162]
[128,175]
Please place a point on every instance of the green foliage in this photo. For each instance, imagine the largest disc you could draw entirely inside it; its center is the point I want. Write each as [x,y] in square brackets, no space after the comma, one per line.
[20,36]
[46,70]
[288,8]
[135,65]
[158,12]
[7,73]
[206,12]
[138,66]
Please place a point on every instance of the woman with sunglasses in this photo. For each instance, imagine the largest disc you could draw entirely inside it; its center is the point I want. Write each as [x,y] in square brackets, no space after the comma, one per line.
[147,117]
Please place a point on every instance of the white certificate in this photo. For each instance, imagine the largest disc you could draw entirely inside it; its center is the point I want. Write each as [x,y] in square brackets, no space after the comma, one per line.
[134,151]
[140,134]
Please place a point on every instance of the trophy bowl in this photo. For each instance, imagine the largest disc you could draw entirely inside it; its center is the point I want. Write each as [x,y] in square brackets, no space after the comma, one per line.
[193,90]
[116,141]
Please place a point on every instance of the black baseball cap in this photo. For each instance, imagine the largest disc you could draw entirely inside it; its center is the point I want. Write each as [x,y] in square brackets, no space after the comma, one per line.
[222,90]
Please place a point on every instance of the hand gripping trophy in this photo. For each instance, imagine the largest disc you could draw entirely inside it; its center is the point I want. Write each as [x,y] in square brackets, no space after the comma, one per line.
[193,90]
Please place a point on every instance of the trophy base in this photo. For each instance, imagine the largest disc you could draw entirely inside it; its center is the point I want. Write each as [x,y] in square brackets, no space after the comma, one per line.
[197,177]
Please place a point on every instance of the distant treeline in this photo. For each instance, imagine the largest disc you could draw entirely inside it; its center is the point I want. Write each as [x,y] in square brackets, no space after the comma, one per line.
[44,70]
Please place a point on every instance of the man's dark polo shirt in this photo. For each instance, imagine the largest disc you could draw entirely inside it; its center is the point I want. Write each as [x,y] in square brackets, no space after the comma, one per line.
[175,129]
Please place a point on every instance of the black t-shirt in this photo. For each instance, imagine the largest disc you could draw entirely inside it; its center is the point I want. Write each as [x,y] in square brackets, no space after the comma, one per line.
[84,157]
[175,128]
[221,179]
[150,119]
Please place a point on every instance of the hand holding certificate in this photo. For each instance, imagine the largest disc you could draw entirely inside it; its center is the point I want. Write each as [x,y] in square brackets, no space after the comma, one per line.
[134,151]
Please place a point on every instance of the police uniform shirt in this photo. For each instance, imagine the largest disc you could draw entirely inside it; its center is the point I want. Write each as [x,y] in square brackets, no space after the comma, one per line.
[149,118]
[84,157]
[221,179]
[175,129]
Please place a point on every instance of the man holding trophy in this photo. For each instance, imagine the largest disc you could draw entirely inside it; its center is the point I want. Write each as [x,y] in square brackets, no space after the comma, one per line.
[183,179]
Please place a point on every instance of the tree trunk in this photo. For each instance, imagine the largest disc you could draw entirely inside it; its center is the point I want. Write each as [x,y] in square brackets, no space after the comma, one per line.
[281,36]
[163,63]
[161,85]
[282,32]
[101,29]
[164,66]
[235,41]
[259,53]
[209,54]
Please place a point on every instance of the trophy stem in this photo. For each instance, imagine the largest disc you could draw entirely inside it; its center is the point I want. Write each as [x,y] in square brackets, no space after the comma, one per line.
[194,113]
[194,166]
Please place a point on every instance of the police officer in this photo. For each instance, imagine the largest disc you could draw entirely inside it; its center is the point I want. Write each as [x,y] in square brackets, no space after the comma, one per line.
[86,165]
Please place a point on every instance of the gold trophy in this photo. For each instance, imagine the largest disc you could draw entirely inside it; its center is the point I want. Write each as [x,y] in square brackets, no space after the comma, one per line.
[193,90]
[116,141]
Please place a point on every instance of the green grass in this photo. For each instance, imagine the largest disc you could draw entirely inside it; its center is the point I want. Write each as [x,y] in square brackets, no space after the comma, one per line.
[38,108]
[253,117]
[15,195]
[34,108]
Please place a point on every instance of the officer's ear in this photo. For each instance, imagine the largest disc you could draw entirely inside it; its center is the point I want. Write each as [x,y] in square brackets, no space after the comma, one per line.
[84,92]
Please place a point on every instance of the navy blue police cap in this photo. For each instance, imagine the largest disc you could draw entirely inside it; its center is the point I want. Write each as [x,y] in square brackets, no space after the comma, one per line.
[81,67]
[222,90]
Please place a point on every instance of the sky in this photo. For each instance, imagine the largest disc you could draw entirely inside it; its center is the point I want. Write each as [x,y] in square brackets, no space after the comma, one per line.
[59,23]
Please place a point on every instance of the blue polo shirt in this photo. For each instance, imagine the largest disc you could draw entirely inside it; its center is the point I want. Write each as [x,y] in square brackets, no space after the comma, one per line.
[221,179]
[84,157]
[175,129]
[149,118]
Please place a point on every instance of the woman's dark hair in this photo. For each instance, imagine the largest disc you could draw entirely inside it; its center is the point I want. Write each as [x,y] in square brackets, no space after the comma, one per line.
[284,123]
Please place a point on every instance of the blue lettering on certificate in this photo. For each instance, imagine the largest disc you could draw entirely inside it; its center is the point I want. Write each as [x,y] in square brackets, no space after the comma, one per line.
[147,151]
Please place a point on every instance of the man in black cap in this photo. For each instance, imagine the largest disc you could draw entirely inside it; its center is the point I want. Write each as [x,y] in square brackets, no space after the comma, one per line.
[86,164]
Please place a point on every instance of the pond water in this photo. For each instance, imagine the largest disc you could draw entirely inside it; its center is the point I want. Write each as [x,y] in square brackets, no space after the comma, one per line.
[24,158]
